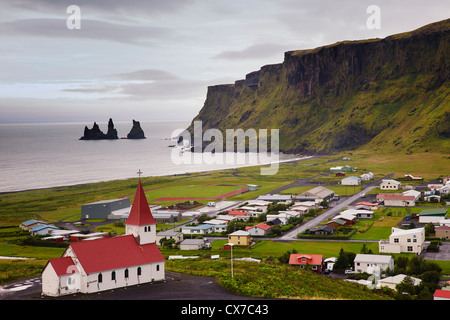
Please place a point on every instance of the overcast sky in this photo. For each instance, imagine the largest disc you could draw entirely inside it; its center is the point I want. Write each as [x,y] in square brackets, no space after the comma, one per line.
[152,60]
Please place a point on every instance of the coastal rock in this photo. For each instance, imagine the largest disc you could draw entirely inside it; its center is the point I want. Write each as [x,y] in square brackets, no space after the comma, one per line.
[136,131]
[96,134]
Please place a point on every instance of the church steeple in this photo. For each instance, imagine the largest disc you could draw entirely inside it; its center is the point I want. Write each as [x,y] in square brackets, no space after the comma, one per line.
[140,222]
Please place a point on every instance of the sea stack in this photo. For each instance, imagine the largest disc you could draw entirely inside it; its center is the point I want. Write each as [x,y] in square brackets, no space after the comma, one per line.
[136,131]
[96,134]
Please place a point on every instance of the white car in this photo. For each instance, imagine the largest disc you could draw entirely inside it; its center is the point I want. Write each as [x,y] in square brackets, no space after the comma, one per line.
[348,272]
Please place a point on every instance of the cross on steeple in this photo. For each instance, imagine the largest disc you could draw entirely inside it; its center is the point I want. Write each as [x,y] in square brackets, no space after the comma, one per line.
[139,173]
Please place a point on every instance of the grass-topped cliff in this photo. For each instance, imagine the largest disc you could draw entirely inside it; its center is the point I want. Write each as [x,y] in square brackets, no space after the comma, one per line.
[390,94]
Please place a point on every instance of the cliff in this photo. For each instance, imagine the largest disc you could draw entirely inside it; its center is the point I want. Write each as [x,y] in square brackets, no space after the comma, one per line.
[390,95]
[136,131]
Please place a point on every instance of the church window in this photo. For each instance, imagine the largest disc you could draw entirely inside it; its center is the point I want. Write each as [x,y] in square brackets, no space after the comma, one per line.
[100,278]
[113,275]
[139,271]
[126,273]
[157,267]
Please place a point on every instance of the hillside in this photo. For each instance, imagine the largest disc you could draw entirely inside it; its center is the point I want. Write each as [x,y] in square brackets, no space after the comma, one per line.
[390,94]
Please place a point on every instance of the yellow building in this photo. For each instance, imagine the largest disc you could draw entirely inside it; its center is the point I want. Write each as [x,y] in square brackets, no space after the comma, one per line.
[240,238]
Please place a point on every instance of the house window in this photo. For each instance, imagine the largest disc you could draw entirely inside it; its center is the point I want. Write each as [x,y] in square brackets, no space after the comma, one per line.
[100,278]
[126,273]
[409,240]
[139,271]
[410,248]
[396,240]
[113,275]
[414,240]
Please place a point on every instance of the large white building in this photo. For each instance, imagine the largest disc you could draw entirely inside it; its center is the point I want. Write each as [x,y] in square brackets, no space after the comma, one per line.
[109,263]
[373,263]
[389,184]
[400,240]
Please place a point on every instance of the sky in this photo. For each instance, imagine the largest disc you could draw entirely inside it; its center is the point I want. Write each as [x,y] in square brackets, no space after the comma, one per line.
[152,60]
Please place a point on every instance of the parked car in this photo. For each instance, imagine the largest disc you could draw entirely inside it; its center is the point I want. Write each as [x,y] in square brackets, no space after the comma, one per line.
[326,271]
[348,272]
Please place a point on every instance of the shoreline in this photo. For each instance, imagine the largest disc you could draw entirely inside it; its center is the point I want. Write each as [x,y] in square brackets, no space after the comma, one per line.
[159,176]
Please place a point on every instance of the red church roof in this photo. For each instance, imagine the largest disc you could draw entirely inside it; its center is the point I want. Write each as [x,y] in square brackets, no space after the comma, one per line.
[140,213]
[64,265]
[113,253]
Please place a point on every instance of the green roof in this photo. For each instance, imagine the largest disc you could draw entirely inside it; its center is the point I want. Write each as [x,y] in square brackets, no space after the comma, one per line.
[434,212]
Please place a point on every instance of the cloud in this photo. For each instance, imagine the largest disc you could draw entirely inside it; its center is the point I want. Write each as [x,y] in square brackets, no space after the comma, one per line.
[90,29]
[146,84]
[136,7]
[256,51]
[147,74]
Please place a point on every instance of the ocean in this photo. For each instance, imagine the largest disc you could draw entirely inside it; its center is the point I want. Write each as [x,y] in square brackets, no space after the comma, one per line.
[42,155]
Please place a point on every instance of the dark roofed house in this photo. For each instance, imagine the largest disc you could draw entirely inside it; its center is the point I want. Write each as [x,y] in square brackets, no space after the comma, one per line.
[324,230]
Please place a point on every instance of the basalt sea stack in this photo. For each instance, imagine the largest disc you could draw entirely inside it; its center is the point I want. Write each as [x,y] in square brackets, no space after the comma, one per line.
[96,134]
[136,131]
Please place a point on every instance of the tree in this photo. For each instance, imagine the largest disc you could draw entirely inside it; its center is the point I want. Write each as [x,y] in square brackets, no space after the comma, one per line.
[406,288]
[345,259]
[429,228]
[286,256]
[365,250]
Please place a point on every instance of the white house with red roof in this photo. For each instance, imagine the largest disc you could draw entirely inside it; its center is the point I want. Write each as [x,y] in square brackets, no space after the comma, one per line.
[258,230]
[109,263]
[302,260]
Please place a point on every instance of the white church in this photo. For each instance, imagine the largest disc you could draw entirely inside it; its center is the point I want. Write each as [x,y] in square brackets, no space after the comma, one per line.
[95,265]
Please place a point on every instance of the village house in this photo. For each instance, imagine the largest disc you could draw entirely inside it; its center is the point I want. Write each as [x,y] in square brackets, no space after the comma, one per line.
[283,216]
[240,238]
[27,225]
[322,230]
[392,282]
[396,200]
[42,229]
[109,263]
[351,181]
[315,261]
[336,223]
[75,237]
[373,263]
[441,294]
[169,234]
[258,230]
[275,197]
[358,213]
[416,194]
[200,229]
[316,194]
[367,176]
[410,177]
[192,244]
[389,184]
[400,240]
[442,232]
[345,168]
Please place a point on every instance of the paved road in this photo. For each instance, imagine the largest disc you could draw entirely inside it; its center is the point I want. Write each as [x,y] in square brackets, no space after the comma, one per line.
[325,215]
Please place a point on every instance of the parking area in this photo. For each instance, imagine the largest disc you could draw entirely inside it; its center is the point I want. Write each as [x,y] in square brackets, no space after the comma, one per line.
[443,254]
